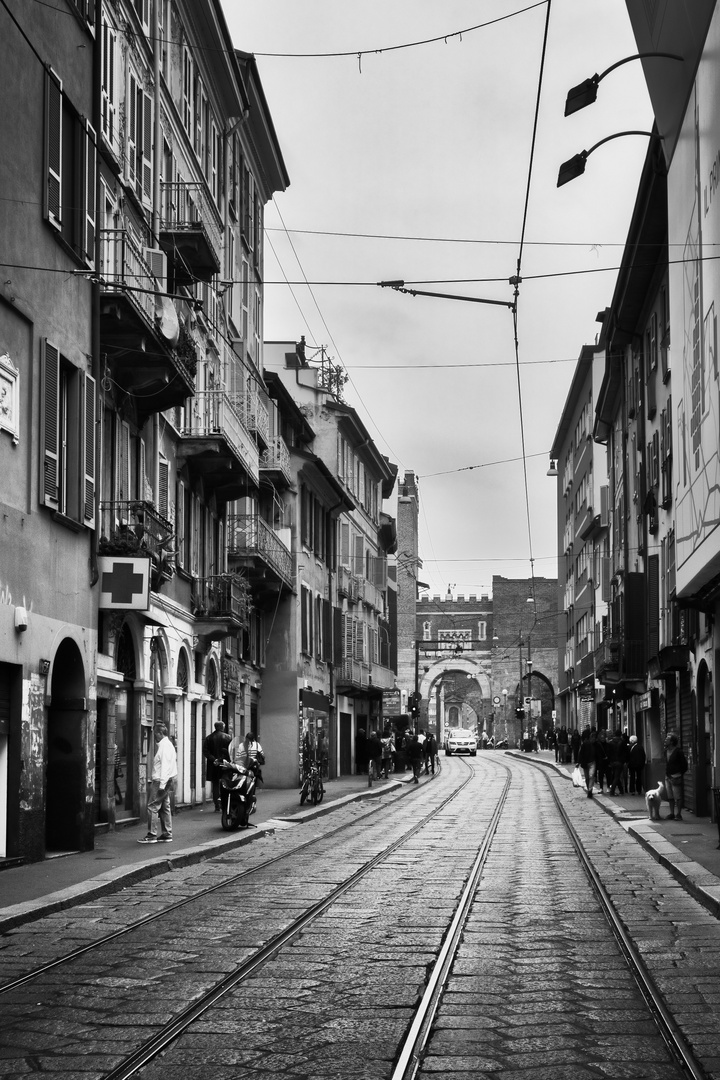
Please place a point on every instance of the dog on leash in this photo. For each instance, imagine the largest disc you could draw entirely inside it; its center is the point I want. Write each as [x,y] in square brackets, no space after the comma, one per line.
[653,799]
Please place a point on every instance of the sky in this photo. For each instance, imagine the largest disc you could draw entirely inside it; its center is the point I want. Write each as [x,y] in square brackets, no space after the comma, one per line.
[421,160]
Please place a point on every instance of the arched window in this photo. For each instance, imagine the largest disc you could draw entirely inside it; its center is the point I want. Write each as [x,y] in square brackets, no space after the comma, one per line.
[182,673]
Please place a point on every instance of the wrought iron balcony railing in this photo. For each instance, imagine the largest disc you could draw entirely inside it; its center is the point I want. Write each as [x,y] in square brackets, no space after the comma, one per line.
[222,596]
[248,534]
[131,526]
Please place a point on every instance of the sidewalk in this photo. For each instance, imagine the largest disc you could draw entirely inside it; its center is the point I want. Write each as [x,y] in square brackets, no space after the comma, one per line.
[27,892]
[689,849]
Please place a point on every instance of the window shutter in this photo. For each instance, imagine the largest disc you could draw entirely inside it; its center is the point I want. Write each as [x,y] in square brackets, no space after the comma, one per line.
[132,126]
[88,239]
[358,561]
[163,479]
[180,522]
[146,166]
[88,451]
[304,630]
[124,490]
[50,404]
[345,544]
[53,148]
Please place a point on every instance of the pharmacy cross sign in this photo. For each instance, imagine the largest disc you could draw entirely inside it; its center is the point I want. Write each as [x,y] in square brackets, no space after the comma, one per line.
[124,584]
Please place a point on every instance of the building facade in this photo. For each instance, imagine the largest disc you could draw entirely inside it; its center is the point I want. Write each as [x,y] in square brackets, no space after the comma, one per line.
[143,452]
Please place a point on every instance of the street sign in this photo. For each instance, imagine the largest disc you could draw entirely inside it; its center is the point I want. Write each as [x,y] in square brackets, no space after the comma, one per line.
[496,700]
[391,703]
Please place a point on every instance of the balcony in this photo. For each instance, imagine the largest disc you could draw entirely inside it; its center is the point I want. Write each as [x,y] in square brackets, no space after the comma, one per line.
[347,583]
[620,660]
[255,416]
[352,677]
[261,552]
[134,527]
[190,233]
[150,357]
[217,446]
[275,462]
[221,606]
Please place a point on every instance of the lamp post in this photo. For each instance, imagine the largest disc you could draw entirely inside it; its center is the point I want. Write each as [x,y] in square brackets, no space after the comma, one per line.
[504,697]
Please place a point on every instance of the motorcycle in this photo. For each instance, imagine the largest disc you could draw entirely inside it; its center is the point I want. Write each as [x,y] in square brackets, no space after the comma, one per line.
[237,794]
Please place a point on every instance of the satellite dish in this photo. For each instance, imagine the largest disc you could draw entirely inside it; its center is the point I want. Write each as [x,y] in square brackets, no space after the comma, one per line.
[167,319]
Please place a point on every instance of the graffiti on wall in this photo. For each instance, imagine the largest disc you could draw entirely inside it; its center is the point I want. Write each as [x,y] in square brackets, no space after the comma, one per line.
[32,738]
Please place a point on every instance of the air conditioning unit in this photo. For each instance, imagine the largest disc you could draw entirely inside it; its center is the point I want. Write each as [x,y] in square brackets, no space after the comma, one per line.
[157,261]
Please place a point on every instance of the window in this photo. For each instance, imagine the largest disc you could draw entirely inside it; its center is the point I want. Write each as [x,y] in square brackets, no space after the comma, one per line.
[70,163]
[142,8]
[68,438]
[108,108]
[139,139]
[306,614]
[188,98]
[85,10]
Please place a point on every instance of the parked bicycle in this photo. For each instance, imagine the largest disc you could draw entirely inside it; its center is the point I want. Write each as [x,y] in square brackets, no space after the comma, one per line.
[312,786]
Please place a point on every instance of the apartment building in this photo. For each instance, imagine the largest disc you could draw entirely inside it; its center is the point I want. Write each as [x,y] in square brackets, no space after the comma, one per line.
[583,545]
[145,451]
[332,653]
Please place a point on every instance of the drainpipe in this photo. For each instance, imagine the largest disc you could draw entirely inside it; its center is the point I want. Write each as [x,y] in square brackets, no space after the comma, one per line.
[156,216]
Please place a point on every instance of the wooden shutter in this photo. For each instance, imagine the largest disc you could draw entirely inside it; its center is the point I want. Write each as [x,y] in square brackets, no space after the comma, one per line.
[53,148]
[358,557]
[132,129]
[162,495]
[90,172]
[145,166]
[88,451]
[180,522]
[50,424]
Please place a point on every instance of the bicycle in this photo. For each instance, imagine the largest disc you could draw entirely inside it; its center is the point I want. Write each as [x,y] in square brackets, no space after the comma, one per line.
[312,785]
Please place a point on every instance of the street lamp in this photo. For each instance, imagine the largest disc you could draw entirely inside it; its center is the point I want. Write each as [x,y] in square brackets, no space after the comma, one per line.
[575,166]
[585,93]
[504,697]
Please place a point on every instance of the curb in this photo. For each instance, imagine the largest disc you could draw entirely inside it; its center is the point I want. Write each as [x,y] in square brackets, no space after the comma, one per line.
[115,880]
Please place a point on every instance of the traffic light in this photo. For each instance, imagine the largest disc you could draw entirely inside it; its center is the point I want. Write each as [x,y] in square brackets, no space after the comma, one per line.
[414,703]
[520,714]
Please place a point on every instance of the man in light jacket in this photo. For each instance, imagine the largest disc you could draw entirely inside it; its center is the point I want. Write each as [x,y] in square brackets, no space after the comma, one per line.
[164,774]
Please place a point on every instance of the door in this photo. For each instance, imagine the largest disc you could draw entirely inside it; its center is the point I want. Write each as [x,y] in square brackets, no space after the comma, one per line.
[345,744]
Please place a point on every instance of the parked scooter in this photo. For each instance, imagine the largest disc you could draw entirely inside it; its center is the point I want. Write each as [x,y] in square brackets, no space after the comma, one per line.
[237,794]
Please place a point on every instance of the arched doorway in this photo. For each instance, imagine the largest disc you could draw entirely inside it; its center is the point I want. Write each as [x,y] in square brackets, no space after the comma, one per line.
[704,740]
[66,752]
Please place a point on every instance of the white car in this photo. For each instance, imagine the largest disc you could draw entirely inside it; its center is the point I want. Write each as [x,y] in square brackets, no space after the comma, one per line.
[459,741]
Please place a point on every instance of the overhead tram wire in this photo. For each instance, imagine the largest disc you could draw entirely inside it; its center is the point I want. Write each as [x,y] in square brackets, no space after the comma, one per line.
[517,282]
[322,317]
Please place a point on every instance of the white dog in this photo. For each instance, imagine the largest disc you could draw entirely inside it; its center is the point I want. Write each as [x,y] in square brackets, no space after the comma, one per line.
[653,799]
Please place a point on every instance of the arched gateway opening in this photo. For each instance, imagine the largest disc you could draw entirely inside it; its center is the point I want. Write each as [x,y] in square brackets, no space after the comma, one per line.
[66,754]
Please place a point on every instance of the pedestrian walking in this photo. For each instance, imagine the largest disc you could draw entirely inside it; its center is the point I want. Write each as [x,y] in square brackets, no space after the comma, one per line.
[162,785]
[415,756]
[636,766]
[675,768]
[575,745]
[375,753]
[386,756]
[602,766]
[587,760]
[563,743]
[361,751]
[430,752]
[616,758]
[215,748]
